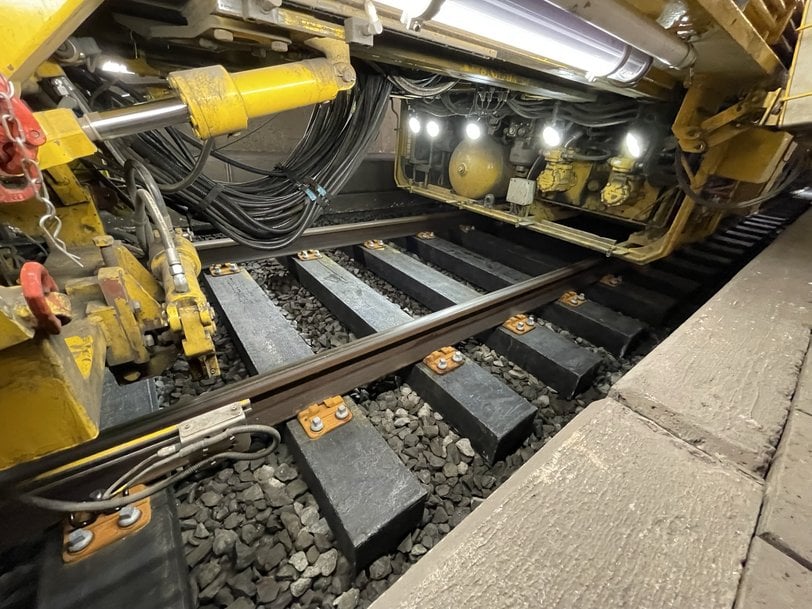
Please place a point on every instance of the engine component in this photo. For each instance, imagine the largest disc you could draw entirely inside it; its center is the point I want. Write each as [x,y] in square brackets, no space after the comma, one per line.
[559,174]
[478,168]
[623,185]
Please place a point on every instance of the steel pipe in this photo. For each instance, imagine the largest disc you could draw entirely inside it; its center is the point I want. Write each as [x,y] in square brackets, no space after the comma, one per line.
[620,20]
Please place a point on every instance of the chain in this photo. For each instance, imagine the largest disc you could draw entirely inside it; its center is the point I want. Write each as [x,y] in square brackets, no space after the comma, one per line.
[49,222]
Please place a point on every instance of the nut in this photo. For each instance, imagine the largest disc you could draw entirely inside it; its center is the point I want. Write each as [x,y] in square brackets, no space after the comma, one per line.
[128,516]
[316,424]
[78,540]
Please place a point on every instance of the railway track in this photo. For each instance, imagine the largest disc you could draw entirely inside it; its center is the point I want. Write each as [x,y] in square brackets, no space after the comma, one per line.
[354,322]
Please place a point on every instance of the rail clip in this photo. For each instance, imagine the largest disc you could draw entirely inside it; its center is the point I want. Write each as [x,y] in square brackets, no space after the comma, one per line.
[520,324]
[323,417]
[444,360]
[309,255]
[227,268]
[106,529]
[613,281]
[373,244]
[572,299]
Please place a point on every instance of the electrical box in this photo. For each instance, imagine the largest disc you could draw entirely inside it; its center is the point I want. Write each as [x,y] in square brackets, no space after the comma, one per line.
[521,191]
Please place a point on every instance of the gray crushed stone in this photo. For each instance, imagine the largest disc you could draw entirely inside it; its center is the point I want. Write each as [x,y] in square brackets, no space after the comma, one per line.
[253,533]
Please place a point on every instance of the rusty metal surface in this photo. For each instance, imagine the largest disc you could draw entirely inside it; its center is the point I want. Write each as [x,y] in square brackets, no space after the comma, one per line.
[326,237]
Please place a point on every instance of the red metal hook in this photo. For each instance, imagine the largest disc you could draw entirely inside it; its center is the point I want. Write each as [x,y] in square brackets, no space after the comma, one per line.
[37,283]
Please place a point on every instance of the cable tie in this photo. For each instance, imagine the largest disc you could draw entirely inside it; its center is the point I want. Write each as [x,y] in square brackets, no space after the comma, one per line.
[215,192]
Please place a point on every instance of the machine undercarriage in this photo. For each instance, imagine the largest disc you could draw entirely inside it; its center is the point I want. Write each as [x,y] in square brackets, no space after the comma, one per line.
[614,126]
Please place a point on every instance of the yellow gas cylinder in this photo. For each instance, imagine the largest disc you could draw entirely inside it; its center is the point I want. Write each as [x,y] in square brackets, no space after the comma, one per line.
[479,167]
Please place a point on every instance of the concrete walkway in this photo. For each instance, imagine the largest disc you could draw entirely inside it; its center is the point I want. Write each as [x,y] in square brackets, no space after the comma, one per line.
[690,486]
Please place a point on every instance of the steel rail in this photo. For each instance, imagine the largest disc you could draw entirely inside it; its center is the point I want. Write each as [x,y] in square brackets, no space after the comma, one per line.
[278,395]
[218,251]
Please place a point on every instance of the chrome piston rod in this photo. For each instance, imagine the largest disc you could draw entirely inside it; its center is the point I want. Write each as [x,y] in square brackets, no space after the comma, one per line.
[134,119]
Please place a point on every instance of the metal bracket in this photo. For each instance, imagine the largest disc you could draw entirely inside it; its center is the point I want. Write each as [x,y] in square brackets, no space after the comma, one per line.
[309,255]
[426,234]
[212,422]
[227,268]
[444,360]
[323,417]
[520,324]
[374,244]
[613,281]
[572,299]
[363,31]
[105,529]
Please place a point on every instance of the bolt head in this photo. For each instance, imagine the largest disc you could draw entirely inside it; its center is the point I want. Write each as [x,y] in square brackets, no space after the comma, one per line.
[103,241]
[457,357]
[128,516]
[316,424]
[342,412]
[78,540]
[520,325]
[442,364]
[531,321]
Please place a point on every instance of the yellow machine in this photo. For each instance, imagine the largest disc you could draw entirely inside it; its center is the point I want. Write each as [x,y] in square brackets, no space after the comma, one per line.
[650,117]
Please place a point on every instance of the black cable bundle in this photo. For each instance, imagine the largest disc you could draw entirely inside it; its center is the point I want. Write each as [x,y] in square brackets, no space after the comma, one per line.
[272,211]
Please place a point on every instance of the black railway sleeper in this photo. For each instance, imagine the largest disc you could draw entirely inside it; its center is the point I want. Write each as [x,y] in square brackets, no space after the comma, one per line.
[719,249]
[754,233]
[349,463]
[688,268]
[479,270]
[599,325]
[491,275]
[705,257]
[503,423]
[761,223]
[633,300]
[555,359]
[730,242]
[436,291]
[749,225]
[777,221]
[487,413]
[369,498]
[358,306]
[517,256]
[423,283]
[144,570]
[124,403]
[265,339]
[659,280]
[540,242]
